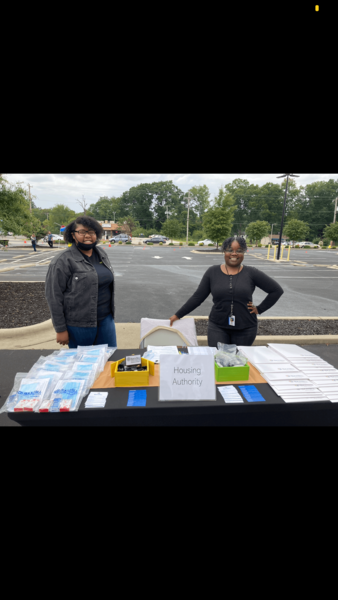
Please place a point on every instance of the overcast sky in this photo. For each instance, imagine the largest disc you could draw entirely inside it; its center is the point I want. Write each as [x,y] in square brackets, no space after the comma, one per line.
[67,188]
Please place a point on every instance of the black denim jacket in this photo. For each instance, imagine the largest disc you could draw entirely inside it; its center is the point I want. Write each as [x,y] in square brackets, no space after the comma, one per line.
[72,289]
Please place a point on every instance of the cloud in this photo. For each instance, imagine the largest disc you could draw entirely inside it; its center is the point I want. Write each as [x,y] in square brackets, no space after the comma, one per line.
[66,188]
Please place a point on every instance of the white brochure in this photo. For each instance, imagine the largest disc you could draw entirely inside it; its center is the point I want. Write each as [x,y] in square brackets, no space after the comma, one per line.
[261,354]
[230,394]
[186,377]
[291,350]
[202,350]
[298,399]
[284,376]
[276,368]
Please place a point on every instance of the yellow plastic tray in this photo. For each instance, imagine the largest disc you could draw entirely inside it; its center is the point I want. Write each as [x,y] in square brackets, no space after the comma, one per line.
[130,378]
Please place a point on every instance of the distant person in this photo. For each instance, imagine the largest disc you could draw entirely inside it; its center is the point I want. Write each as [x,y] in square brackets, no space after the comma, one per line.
[233,318]
[33,240]
[50,239]
[80,288]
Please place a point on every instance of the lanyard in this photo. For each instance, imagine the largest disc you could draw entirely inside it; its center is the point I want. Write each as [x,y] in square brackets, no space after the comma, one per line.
[232,289]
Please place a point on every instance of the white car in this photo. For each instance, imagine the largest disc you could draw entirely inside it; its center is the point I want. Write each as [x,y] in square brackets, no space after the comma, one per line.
[56,237]
[301,244]
[205,242]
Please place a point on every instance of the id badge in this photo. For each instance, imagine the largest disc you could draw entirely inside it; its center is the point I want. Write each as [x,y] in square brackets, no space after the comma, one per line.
[232,320]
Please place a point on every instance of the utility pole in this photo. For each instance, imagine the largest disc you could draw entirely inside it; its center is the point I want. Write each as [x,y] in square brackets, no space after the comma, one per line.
[287,175]
[30,197]
[188,198]
[335,210]
[167,213]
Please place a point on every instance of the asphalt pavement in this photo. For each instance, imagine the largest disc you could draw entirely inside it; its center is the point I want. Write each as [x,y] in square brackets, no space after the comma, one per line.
[153,281]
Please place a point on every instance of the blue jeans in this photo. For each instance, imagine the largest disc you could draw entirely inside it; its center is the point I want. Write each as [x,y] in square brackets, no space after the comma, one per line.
[104,333]
[33,244]
[240,337]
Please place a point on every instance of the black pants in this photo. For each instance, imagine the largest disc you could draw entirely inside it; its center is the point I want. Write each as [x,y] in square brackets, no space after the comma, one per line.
[240,337]
[33,244]
[50,244]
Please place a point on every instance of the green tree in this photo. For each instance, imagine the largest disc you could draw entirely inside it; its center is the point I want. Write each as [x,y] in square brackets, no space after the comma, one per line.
[331,232]
[172,228]
[218,220]
[106,209]
[201,199]
[60,215]
[130,224]
[315,205]
[257,230]
[296,230]
[15,215]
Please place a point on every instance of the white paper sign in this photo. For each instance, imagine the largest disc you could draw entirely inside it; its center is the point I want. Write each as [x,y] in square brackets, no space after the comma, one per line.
[133,360]
[186,377]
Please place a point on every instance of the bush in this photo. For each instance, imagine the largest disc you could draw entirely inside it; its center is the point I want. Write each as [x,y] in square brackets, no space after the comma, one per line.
[161,244]
[334,247]
[316,240]
[120,241]
[307,247]
[128,242]
[170,244]
[193,244]
[201,244]
[150,244]
[181,244]
[326,242]
[259,245]
[324,246]
[211,244]
[267,246]
[296,246]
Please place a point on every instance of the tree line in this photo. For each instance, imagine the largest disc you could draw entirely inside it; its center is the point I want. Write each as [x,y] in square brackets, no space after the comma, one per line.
[162,207]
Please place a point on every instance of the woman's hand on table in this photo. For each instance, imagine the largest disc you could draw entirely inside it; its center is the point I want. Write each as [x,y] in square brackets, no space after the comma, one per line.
[62,338]
[252,309]
[173,319]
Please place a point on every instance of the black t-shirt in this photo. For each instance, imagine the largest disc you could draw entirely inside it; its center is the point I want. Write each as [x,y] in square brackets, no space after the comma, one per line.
[217,283]
[106,278]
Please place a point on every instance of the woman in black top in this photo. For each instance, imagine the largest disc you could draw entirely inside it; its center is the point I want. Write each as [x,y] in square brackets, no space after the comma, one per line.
[233,317]
[80,288]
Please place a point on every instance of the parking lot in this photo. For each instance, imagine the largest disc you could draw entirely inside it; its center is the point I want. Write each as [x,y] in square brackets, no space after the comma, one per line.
[156,281]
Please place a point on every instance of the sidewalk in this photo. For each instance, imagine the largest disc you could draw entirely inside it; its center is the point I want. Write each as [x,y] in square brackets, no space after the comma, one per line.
[43,337]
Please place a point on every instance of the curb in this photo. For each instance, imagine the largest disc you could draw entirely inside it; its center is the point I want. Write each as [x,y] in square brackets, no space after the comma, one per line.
[43,336]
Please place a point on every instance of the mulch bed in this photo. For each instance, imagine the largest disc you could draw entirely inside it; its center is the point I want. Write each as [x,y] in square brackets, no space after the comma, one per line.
[278,327]
[22,304]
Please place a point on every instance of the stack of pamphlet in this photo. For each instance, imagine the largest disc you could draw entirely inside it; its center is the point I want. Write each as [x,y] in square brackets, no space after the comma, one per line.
[295,374]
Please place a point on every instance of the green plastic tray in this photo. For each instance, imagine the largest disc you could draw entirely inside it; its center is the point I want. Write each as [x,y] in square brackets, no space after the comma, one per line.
[232,373]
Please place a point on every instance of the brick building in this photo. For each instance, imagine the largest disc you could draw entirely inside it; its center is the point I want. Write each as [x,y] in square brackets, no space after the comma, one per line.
[111,228]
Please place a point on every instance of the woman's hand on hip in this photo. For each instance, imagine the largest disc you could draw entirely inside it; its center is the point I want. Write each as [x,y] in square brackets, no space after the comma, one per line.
[173,319]
[252,308]
[62,338]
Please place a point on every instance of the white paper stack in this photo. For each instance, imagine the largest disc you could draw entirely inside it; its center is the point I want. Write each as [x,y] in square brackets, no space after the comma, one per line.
[230,394]
[317,379]
[261,354]
[96,400]
[204,350]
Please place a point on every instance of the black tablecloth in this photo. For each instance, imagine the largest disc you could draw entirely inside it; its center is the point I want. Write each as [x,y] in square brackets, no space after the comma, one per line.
[274,411]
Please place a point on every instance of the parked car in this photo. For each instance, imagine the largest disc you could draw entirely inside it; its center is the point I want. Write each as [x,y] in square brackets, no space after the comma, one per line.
[55,237]
[122,237]
[205,242]
[302,244]
[156,240]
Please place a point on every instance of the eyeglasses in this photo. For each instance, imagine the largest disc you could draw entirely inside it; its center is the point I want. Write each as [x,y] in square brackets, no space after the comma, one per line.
[83,232]
[234,251]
